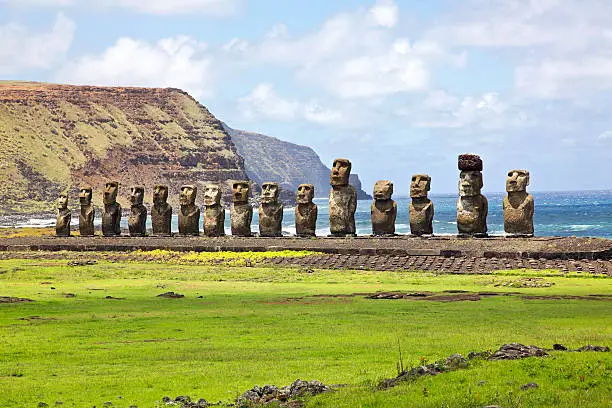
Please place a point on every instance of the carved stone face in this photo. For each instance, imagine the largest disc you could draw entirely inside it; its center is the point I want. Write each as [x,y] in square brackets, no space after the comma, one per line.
[110,192]
[137,195]
[188,194]
[470,183]
[305,193]
[240,192]
[269,193]
[340,172]
[85,195]
[383,189]
[62,202]
[160,195]
[212,195]
[517,180]
[420,185]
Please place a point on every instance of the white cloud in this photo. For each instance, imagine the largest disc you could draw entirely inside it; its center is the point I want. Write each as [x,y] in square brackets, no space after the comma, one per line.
[264,102]
[605,136]
[212,7]
[22,49]
[385,13]
[351,55]
[171,62]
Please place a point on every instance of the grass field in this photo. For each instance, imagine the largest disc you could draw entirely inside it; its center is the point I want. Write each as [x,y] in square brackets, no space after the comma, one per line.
[241,326]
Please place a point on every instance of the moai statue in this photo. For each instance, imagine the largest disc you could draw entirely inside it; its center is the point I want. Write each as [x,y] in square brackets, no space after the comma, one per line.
[111,214]
[518,205]
[342,200]
[87,213]
[62,222]
[161,213]
[472,207]
[421,207]
[383,210]
[241,213]
[270,211]
[305,211]
[214,213]
[137,222]
[189,213]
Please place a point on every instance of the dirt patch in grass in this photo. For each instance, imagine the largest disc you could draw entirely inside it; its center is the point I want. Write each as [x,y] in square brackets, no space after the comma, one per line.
[171,295]
[30,318]
[568,297]
[9,299]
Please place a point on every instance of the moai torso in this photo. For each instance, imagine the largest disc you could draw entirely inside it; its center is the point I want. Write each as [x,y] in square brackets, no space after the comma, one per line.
[472,214]
[111,214]
[342,200]
[86,213]
[241,216]
[161,213]
[270,211]
[214,213]
[137,221]
[342,207]
[518,204]
[241,213]
[189,212]
[472,207]
[383,210]
[421,207]
[305,212]
[62,222]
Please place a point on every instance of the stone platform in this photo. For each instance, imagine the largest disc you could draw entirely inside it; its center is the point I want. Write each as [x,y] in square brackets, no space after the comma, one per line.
[540,248]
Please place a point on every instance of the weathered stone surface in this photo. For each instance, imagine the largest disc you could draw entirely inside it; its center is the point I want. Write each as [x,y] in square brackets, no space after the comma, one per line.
[241,213]
[421,207]
[270,211]
[111,214]
[383,211]
[214,213]
[514,351]
[62,222]
[189,213]
[342,200]
[472,207]
[518,204]
[137,222]
[161,213]
[87,212]
[306,211]
[469,162]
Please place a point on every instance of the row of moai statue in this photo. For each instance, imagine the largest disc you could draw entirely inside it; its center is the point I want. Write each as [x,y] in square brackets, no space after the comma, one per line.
[472,207]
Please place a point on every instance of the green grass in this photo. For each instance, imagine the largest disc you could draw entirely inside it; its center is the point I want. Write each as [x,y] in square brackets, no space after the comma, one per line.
[266,325]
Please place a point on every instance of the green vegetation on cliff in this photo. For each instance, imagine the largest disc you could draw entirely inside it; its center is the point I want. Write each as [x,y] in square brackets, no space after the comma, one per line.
[56,137]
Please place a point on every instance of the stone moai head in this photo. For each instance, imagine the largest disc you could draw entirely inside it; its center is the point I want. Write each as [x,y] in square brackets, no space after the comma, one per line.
[383,189]
[240,192]
[420,186]
[517,180]
[110,192]
[269,192]
[340,172]
[160,194]
[305,193]
[85,195]
[137,195]
[470,178]
[62,201]
[188,194]
[212,195]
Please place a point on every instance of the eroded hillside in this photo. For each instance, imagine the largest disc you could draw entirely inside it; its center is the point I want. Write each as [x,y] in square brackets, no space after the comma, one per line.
[57,137]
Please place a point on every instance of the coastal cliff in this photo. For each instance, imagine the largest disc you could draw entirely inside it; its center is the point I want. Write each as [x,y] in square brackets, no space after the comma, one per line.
[270,159]
[55,138]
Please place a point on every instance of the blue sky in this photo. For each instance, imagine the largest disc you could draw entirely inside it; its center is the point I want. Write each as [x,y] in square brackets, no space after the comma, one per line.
[398,87]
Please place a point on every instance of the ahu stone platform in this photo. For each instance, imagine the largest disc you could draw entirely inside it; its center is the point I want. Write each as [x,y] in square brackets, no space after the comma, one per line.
[539,248]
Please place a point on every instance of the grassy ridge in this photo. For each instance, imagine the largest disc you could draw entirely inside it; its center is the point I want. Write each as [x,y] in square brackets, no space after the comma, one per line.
[256,326]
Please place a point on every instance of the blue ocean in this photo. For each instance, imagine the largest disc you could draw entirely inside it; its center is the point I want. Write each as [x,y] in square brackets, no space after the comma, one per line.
[581,214]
